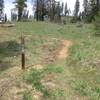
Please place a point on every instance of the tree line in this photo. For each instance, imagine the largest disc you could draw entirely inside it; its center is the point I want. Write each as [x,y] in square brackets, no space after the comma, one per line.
[54,10]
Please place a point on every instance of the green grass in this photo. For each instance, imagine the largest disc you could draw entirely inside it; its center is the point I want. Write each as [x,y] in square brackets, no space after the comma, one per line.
[79,74]
[85,89]
[34,77]
[27,96]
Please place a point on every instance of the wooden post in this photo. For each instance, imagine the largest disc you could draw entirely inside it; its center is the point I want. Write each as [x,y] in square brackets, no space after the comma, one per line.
[23,52]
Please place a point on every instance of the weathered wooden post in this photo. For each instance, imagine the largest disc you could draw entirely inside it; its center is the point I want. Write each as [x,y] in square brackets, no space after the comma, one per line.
[23,52]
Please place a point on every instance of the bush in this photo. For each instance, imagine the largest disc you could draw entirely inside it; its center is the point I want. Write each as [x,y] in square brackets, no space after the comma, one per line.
[73,20]
[97,23]
[79,24]
[64,22]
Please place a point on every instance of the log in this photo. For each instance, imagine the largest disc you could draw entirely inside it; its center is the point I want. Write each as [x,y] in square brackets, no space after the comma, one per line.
[7,25]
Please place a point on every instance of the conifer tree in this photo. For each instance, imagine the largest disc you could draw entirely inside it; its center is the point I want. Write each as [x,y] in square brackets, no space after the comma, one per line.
[77,8]
[1,5]
[66,9]
[20,5]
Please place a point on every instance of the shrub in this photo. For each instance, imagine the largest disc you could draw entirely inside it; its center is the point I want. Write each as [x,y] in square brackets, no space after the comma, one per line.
[97,23]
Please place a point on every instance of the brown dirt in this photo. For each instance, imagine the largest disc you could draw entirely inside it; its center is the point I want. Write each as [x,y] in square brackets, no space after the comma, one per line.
[37,67]
[7,25]
[8,79]
[49,81]
[64,51]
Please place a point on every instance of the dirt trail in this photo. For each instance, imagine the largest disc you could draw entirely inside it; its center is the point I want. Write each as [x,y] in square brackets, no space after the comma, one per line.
[8,78]
[64,51]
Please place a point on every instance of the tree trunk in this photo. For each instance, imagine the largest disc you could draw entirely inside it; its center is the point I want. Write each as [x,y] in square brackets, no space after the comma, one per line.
[37,13]
[19,14]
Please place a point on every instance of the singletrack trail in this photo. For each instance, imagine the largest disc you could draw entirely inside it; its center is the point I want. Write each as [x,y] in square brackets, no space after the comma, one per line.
[9,77]
[64,51]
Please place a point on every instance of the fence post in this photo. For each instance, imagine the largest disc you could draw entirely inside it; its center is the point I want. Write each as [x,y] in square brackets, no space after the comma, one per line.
[23,52]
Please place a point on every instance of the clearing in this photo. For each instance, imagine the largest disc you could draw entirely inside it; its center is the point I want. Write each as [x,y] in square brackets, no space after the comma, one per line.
[62,64]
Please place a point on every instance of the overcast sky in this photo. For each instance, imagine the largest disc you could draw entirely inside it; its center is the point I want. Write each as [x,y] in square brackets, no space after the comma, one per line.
[9,5]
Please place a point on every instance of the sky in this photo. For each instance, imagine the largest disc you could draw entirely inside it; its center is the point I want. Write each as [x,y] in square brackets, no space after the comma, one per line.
[9,5]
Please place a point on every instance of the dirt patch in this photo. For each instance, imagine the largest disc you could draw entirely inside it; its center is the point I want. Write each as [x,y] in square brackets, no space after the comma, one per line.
[48,84]
[37,67]
[49,81]
[7,25]
[64,51]
[36,95]
[58,53]
[8,79]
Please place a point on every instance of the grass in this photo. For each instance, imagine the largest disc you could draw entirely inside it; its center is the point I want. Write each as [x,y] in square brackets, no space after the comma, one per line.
[85,89]
[27,96]
[79,74]
[34,77]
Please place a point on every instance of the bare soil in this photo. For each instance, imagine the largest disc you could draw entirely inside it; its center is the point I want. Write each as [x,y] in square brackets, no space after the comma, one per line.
[64,50]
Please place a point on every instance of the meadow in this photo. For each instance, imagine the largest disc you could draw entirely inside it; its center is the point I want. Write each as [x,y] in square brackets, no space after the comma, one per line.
[75,78]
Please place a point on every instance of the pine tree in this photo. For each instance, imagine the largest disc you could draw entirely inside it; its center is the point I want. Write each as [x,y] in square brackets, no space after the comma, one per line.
[97,18]
[62,8]
[85,6]
[1,5]
[86,11]
[76,12]
[20,5]
[93,9]
[58,11]
[98,4]
[76,9]
[66,9]
[52,10]
[69,11]
[40,9]
[5,17]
